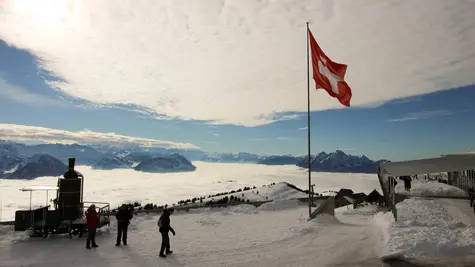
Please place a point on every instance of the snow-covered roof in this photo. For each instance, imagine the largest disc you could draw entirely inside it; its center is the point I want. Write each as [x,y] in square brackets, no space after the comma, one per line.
[450,163]
[39,188]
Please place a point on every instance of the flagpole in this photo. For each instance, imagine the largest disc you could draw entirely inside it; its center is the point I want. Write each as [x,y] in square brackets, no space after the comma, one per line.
[308,131]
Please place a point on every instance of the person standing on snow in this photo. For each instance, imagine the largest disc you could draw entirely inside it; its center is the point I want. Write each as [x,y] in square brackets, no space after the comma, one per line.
[123,216]
[407,183]
[92,223]
[164,227]
[471,194]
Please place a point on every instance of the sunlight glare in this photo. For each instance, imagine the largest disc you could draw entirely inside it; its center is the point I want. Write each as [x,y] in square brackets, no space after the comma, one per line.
[44,14]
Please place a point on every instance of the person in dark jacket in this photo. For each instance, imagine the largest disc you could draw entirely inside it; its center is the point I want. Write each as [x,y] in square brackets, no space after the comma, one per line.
[123,216]
[164,227]
[92,223]
[471,194]
[407,183]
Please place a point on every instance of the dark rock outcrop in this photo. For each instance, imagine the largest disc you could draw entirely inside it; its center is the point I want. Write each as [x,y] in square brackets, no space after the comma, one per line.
[112,162]
[279,160]
[164,164]
[38,166]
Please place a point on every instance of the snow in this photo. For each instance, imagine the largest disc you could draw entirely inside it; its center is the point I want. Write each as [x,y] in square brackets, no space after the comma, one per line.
[14,169]
[364,210]
[279,190]
[127,185]
[242,236]
[428,228]
[421,187]
[280,204]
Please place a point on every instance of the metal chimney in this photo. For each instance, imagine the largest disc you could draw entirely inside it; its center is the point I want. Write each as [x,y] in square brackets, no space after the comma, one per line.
[72,162]
[71,173]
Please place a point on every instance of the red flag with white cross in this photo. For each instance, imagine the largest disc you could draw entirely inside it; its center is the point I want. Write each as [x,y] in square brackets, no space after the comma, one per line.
[329,75]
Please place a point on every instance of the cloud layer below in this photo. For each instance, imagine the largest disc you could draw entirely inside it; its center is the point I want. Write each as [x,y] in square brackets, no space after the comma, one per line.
[242,62]
[49,135]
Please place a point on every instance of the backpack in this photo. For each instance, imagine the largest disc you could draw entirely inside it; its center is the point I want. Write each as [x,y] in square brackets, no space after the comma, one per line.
[159,223]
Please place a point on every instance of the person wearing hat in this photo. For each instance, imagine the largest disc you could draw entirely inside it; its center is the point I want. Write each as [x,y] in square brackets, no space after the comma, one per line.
[92,223]
[123,216]
[164,227]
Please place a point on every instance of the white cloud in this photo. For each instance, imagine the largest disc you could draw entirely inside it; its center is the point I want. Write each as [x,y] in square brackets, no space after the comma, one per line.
[216,134]
[283,138]
[19,94]
[49,135]
[303,128]
[422,115]
[242,62]
[407,100]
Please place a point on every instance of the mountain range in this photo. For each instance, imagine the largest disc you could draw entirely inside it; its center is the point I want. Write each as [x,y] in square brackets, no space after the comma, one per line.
[339,161]
[14,156]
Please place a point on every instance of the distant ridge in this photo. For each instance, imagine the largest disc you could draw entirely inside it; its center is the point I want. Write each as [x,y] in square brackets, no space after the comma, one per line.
[109,158]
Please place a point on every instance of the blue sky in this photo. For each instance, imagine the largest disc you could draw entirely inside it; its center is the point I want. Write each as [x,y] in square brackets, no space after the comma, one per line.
[416,127]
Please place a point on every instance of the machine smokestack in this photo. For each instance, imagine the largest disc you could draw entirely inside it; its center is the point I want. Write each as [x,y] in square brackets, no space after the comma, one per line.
[72,162]
[71,173]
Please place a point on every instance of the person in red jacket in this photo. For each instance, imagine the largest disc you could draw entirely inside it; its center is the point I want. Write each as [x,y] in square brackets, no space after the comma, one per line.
[92,223]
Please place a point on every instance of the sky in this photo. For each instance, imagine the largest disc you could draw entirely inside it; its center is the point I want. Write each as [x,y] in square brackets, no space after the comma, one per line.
[230,76]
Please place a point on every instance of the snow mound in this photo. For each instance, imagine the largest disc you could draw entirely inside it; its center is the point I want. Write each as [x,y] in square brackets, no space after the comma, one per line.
[325,219]
[314,225]
[230,210]
[208,221]
[364,210]
[243,209]
[425,213]
[430,188]
[280,205]
[425,229]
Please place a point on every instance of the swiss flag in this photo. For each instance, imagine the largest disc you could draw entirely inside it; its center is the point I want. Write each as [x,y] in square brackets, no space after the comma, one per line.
[328,74]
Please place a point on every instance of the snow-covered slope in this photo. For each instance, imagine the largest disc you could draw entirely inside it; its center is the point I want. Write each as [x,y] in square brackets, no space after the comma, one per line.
[110,162]
[430,228]
[247,236]
[421,187]
[238,236]
[10,158]
[274,191]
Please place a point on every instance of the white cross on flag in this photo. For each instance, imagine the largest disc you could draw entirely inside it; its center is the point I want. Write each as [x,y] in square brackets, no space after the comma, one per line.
[329,75]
